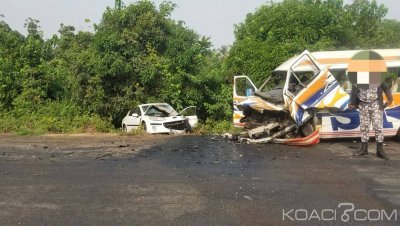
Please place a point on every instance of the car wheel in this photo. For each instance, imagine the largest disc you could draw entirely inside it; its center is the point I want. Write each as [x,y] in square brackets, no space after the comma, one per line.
[124,129]
[143,127]
[188,128]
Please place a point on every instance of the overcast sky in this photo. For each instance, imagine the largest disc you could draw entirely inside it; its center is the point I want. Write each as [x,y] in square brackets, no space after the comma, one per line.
[213,18]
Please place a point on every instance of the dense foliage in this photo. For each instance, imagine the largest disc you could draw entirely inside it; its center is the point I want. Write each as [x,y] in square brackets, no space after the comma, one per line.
[87,81]
[137,54]
[277,31]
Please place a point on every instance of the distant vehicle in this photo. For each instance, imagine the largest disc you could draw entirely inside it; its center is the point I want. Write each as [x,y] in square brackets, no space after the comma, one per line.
[160,118]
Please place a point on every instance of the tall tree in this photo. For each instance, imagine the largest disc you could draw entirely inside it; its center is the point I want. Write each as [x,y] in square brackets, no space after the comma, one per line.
[280,30]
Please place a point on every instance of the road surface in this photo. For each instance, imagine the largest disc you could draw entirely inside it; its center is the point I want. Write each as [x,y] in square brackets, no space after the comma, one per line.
[191,180]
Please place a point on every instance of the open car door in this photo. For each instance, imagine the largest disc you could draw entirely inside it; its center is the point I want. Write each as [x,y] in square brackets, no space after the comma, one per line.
[191,114]
[307,86]
[243,88]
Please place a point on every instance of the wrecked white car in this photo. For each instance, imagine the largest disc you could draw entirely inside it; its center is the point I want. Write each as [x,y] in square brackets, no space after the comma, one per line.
[160,118]
[306,98]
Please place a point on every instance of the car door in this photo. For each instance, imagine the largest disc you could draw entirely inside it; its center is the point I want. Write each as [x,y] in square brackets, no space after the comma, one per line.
[243,88]
[307,85]
[133,118]
[191,114]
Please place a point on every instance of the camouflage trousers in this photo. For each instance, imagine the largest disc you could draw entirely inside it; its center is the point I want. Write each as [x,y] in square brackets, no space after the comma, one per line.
[371,112]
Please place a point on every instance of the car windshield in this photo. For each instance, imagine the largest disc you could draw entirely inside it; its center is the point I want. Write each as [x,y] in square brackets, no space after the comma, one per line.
[275,81]
[160,110]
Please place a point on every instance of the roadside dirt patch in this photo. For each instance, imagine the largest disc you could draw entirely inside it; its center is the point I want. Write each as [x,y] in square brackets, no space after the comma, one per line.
[63,147]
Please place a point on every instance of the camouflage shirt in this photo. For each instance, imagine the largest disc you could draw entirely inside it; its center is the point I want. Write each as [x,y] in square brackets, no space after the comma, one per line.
[368,95]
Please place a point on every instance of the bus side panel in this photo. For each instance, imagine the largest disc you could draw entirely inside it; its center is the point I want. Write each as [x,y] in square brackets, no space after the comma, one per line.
[347,123]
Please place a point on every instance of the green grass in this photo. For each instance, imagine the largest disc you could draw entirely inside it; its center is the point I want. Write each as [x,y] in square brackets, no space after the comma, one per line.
[211,127]
[37,125]
[52,118]
[64,118]
[135,132]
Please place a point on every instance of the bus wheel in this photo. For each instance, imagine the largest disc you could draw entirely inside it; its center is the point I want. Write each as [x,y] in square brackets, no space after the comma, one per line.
[307,129]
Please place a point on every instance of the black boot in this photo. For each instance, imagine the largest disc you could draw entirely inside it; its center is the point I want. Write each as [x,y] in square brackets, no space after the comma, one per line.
[363,150]
[379,151]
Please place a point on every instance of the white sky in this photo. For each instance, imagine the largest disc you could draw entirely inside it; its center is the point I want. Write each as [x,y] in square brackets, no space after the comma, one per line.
[213,18]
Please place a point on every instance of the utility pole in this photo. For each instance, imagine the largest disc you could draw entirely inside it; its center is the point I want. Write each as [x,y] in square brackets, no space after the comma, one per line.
[118,4]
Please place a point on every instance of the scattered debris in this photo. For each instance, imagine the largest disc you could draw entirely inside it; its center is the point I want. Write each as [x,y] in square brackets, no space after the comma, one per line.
[227,136]
[123,145]
[247,197]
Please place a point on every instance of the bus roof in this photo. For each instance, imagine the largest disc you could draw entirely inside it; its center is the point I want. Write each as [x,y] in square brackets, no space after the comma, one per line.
[339,60]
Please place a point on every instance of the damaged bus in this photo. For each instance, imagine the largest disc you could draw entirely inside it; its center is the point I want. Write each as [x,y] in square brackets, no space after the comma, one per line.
[306,98]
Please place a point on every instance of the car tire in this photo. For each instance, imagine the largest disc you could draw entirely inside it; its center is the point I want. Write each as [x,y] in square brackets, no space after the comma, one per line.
[143,126]
[187,128]
[124,129]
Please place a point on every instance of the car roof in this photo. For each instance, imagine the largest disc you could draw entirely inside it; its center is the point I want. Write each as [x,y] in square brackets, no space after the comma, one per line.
[144,105]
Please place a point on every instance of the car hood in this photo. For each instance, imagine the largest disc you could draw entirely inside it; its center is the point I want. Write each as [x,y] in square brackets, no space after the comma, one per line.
[165,119]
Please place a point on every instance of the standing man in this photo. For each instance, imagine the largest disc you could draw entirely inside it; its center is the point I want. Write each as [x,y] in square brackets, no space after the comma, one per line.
[365,71]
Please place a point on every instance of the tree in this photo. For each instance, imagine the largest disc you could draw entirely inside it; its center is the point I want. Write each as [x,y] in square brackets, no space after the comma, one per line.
[137,55]
[118,4]
[10,62]
[366,17]
[277,31]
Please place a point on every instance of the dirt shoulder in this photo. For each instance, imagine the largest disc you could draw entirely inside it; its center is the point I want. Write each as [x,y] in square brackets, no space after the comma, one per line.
[61,146]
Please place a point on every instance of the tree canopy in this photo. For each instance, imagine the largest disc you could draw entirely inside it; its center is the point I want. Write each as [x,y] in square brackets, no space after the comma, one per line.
[279,30]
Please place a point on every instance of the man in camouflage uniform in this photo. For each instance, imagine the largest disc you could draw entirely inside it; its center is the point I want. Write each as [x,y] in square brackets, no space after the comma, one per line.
[365,72]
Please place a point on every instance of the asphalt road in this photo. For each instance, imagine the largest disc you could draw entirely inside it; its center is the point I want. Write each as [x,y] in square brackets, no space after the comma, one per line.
[191,180]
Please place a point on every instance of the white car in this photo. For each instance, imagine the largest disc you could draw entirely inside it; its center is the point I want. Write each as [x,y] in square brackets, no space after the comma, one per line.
[159,118]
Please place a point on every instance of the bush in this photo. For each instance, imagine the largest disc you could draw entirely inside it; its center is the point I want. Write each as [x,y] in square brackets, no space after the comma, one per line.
[53,117]
[212,127]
